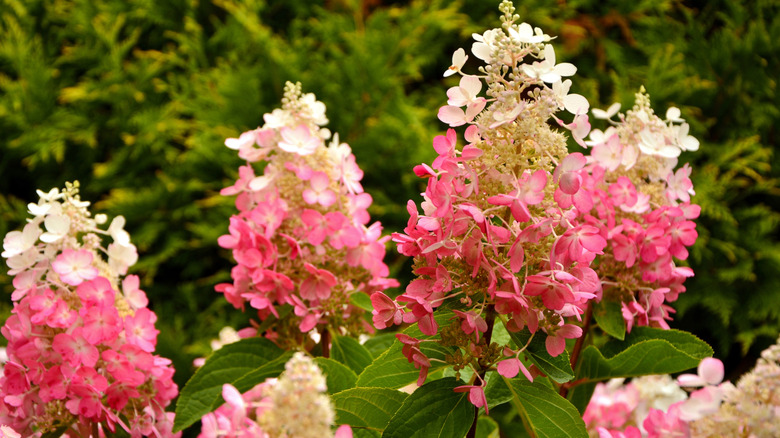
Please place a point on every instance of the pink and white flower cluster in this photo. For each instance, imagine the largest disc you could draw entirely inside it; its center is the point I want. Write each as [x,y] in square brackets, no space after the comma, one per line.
[301,238]
[294,405]
[516,228]
[657,406]
[642,206]
[80,339]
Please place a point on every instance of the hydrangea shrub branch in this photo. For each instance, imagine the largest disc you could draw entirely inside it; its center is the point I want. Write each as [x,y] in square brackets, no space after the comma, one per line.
[81,338]
[512,223]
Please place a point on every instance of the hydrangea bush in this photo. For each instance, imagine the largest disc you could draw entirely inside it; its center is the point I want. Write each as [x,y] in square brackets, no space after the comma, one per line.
[539,275]
[516,229]
[539,272]
[81,339]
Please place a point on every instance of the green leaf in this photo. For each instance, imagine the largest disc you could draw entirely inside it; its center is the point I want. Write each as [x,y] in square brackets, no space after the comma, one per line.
[580,395]
[243,364]
[392,370]
[496,390]
[379,343]
[361,300]
[610,318]
[57,433]
[433,410]
[487,428]
[349,352]
[367,410]
[557,368]
[645,351]
[544,412]
[338,377]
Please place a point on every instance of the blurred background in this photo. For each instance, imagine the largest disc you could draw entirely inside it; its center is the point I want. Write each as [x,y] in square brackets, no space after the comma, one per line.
[134,99]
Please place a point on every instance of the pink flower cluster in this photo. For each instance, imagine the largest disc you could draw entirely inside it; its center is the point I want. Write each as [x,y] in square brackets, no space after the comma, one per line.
[301,238]
[642,207]
[656,406]
[80,339]
[518,229]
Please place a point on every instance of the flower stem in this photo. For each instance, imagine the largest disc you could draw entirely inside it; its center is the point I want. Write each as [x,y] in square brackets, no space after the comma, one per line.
[575,354]
[490,319]
[325,341]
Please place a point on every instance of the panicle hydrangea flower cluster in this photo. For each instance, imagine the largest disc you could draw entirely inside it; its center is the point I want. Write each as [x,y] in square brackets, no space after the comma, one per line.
[642,206]
[293,405]
[752,408]
[657,406]
[511,223]
[81,338]
[301,237]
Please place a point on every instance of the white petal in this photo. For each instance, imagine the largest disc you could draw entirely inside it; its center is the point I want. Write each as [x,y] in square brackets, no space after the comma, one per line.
[57,224]
[549,54]
[452,116]
[565,69]
[576,104]
[472,85]
[599,113]
[690,143]
[259,183]
[673,114]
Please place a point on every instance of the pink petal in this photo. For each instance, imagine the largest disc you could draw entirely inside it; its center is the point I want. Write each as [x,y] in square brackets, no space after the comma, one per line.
[509,368]
[344,431]
[711,370]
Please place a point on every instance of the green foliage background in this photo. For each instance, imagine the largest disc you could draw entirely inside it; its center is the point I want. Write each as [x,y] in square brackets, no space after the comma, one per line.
[134,98]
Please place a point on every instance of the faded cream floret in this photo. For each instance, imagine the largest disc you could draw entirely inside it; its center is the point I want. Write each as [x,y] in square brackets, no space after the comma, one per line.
[752,408]
[301,407]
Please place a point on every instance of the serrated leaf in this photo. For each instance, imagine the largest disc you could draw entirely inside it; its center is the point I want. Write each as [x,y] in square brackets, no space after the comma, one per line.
[557,368]
[610,318]
[433,410]
[338,376]
[243,364]
[645,351]
[367,410]
[545,413]
[349,352]
[392,370]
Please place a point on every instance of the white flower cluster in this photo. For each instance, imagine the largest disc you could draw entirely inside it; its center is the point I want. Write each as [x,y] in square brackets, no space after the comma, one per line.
[655,392]
[642,145]
[520,65]
[67,223]
[752,408]
[298,123]
[301,407]
[653,136]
